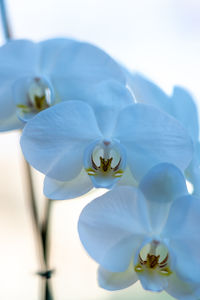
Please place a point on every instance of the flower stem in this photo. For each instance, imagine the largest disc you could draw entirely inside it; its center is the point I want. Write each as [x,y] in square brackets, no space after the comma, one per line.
[45,229]
[5,23]
[41,232]
[45,242]
[30,196]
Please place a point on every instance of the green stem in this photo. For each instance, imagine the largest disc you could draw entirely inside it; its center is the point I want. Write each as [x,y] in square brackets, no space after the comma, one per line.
[45,230]
[30,196]
[5,23]
[41,232]
[46,245]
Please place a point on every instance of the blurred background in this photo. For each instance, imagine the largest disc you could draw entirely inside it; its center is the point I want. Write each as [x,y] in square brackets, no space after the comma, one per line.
[161,39]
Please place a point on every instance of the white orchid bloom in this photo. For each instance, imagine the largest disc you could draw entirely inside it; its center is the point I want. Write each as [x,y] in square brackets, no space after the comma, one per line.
[181,106]
[80,146]
[35,76]
[149,234]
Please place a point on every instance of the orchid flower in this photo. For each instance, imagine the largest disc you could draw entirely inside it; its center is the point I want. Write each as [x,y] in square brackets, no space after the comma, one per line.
[150,234]
[181,106]
[111,141]
[35,76]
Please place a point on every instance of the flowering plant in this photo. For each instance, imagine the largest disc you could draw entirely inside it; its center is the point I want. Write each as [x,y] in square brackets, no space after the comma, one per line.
[146,234]
[88,123]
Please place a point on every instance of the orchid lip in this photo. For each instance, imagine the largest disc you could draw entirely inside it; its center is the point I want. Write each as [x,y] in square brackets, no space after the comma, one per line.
[104,162]
[153,258]
[32,95]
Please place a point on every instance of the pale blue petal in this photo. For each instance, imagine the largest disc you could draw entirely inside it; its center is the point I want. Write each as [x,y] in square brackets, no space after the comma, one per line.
[147,92]
[86,63]
[161,186]
[180,105]
[11,123]
[193,171]
[127,178]
[50,51]
[8,116]
[182,230]
[152,281]
[107,98]
[113,226]
[182,290]
[60,190]
[18,58]
[53,141]
[151,137]
[113,281]
[184,109]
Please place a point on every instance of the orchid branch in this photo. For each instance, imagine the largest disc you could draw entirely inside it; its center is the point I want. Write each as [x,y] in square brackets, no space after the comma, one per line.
[5,23]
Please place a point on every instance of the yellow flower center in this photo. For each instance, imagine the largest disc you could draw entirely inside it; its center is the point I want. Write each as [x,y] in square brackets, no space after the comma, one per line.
[153,261]
[105,168]
[38,97]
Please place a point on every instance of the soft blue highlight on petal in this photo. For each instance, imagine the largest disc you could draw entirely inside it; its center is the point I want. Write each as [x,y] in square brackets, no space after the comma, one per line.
[161,186]
[60,190]
[182,229]
[145,91]
[86,62]
[151,137]
[107,98]
[181,289]
[184,109]
[180,105]
[113,226]
[64,62]
[113,281]
[54,140]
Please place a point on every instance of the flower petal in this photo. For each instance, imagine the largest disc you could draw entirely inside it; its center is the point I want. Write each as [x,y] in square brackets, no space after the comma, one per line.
[147,92]
[180,105]
[152,281]
[161,186]
[113,226]
[50,51]
[184,109]
[87,63]
[60,190]
[18,58]
[8,116]
[53,141]
[107,98]
[127,178]
[151,137]
[182,290]
[182,230]
[193,171]
[113,281]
